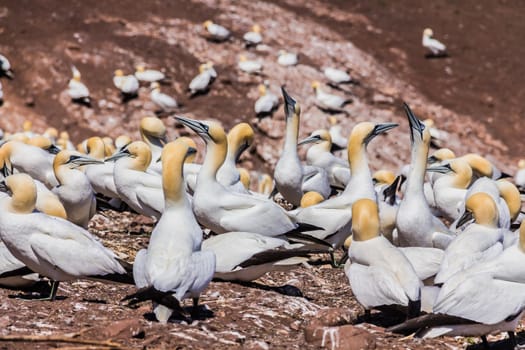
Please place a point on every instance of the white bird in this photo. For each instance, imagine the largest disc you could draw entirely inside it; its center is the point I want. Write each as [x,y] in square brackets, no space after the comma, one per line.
[74,189]
[174,262]
[148,75]
[339,142]
[50,246]
[215,31]
[246,256]
[416,225]
[478,242]
[140,190]
[385,185]
[14,273]
[267,103]
[519,178]
[289,173]
[127,84]
[240,139]
[202,81]
[436,47]
[153,133]
[165,102]
[221,210]
[335,214]
[100,176]
[287,58]
[319,155]
[328,101]
[378,272]
[77,90]
[337,76]
[249,66]
[5,67]
[254,36]
[31,160]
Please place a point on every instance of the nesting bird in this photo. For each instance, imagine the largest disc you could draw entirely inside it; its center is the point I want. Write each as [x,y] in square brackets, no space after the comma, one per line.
[5,67]
[127,84]
[77,90]
[327,101]
[267,103]
[148,75]
[436,48]
[215,31]
[201,83]
[286,58]
[253,37]
[166,103]
[249,66]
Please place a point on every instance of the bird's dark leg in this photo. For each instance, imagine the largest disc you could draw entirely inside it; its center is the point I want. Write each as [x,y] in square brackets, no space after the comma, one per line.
[485,342]
[512,339]
[53,293]
[195,309]
[367,316]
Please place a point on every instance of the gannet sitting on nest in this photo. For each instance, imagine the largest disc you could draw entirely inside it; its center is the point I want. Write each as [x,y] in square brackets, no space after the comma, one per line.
[249,66]
[148,75]
[77,90]
[127,84]
[165,102]
[268,102]
[201,83]
[287,58]
[327,101]
[215,31]
[254,36]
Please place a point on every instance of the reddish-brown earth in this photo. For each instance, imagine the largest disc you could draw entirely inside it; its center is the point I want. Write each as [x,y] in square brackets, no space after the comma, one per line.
[378,41]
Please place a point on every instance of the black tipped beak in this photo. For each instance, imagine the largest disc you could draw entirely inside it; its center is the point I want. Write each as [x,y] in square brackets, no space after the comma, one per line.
[198,127]
[390,192]
[310,139]
[120,154]
[416,125]
[289,103]
[442,169]
[53,149]
[466,217]
[379,129]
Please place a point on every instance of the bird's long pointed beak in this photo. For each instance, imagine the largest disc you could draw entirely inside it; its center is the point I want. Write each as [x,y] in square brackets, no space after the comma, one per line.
[432,160]
[380,129]
[289,103]
[442,169]
[309,139]
[85,160]
[466,217]
[416,125]
[120,154]
[53,149]
[198,127]
[390,192]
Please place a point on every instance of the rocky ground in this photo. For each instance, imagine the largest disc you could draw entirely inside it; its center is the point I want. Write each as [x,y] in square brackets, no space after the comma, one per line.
[474,95]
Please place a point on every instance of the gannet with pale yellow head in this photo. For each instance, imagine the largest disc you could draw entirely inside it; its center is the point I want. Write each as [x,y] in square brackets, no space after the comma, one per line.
[328,101]
[249,66]
[77,90]
[254,36]
[51,246]
[148,75]
[221,210]
[335,214]
[267,103]
[202,81]
[378,272]
[285,58]
[416,225]
[319,155]
[240,139]
[337,76]
[100,176]
[165,102]
[74,189]
[141,190]
[436,47]
[215,31]
[173,262]
[127,84]
[153,133]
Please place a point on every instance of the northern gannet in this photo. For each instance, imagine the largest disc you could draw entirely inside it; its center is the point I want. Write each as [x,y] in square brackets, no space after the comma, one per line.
[311,198]
[240,139]
[337,76]
[142,191]
[51,134]
[43,143]
[335,214]
[53,247]
[267,103]
[174,262]
[64,142]
[339,142]
[77,90]
[519,178]
[109,147]
[437,136]
[436,47]
[511,195]
[482,167]
[165,102]
[415,223]
[148,75]
[254,36]
[450,189]
[215,31]
[153,133]
[489,297]
[127,84]
[221,210]
[244,177]
[319,155]
[5,67]
[378,272]
[289,173]
[249,66]
[14,273]
[74,189]
[479,241]
[100,176]
[287,58]
[264,184]
[201,83]
[385,185]
[327,101]
[122,141]
[31,160]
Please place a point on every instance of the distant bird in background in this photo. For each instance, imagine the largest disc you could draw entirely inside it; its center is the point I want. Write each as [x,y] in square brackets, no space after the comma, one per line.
[200,84]
[437,48]
[5,67]
[165,102]
[249,66]
[267,103]
[77,90]
[216,32]
[148,75]
[127,84]
[287,58]
[253,37]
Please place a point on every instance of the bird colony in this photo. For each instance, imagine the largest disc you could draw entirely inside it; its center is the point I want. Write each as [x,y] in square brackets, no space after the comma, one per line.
[441,242]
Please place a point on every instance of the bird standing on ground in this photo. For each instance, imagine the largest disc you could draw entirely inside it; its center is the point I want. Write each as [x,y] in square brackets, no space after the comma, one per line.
[254,36]
[267,103]
[127,84]
[215,31]
[436,47]
[148,75]
[166,103]
[77,90]
[286,58]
